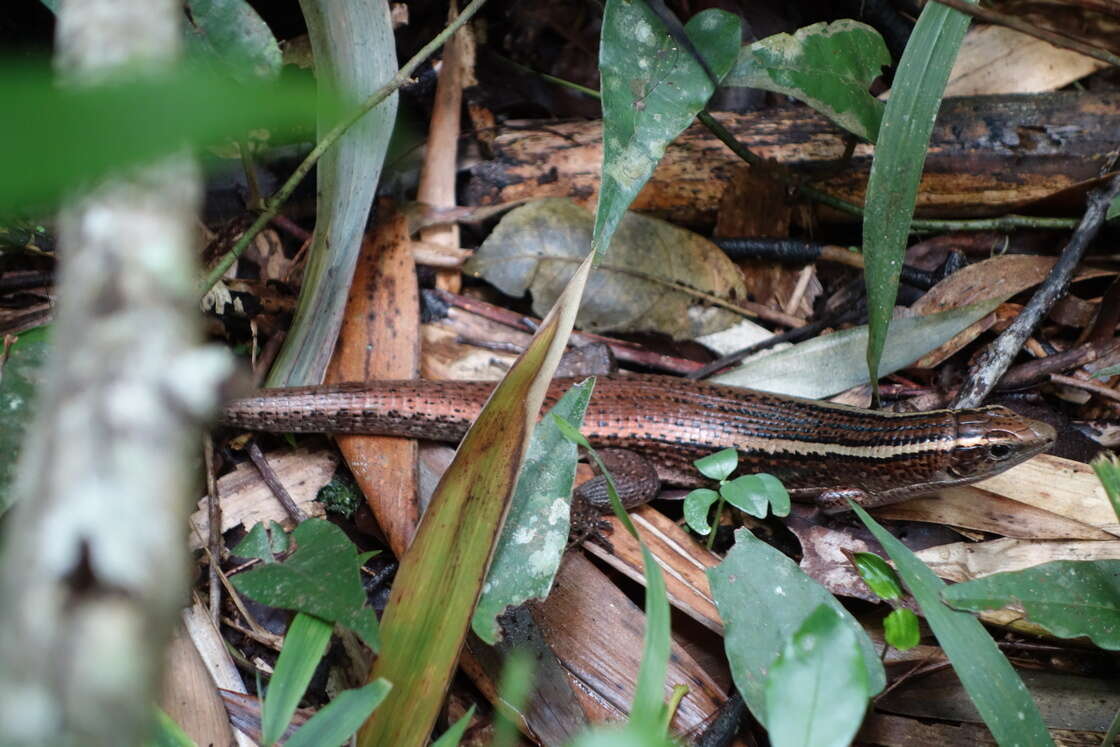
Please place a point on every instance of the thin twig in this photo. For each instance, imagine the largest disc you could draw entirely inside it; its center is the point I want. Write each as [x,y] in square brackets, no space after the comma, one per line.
[273,204]
[1024,27]
[995,360]
[269,475]
[214,517]
[1089,386]
[772,170]
[1033,372]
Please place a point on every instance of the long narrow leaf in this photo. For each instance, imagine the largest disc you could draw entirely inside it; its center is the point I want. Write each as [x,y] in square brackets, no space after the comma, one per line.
[340,718]
[442,573]
[988,678]
[304,645]
[355,54]
[900,154]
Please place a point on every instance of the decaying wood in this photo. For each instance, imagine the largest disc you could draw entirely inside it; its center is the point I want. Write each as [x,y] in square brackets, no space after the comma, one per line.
[988,155]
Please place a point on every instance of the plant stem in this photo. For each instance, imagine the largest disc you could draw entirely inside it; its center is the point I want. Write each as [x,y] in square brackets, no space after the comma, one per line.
[273,204]
[727,138]
[716,515]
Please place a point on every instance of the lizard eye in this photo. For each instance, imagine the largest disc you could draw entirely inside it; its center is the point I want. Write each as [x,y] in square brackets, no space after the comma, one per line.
[999,452]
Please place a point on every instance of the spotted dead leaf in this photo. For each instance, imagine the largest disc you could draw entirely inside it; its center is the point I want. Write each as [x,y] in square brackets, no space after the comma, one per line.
[655,278]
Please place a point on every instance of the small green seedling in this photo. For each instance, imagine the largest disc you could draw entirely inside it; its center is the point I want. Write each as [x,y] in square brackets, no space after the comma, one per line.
[900,627]
[750,493]
[1107,468]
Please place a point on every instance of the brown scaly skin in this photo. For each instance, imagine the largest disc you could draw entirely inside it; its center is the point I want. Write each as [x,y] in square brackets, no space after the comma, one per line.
[820,451]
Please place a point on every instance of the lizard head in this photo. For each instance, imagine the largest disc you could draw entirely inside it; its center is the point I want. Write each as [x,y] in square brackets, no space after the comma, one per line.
[992,439]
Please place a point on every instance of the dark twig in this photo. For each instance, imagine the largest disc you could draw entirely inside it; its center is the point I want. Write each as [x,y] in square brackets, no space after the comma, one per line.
[274,484]
[1108,315]
[1036,371]
[995,360]
[1089,386]
[214,517]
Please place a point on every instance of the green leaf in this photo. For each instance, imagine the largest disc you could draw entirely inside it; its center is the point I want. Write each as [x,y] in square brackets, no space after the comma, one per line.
[829,66]
[647,711]
[535,535]
[829,364]
[900,154]
[1107,372]
[756,577]
[355,55]
[879,576]
[455,732]
[232,33]
[263,543]
[1069,598]
[777,494]
[1107,468]
[441,575]
[900,629]
[79,134]
[697,504]
[987,677]
[1113,212]
[718,466]
[19,384]
[817,689]
[340,718]
[651,90]
[513,692]
[322,578]
[629,735]
[168,733]
[754,494]
[304,645]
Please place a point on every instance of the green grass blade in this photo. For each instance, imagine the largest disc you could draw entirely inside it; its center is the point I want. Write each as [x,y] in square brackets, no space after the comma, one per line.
[340,718]
[988,678]
[900,154]
[304,645]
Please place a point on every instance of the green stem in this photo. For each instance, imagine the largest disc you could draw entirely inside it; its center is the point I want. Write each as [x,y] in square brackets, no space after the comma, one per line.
[1001,223]
[1113,731]
[715,517]
[727,138]
[272,206]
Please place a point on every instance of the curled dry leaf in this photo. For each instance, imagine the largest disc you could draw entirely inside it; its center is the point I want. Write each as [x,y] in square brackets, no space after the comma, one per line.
[656,277]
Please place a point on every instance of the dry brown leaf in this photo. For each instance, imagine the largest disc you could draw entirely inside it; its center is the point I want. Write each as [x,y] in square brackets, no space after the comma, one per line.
[246,499]
[1061,486]
[964,561]
[380,340]
[972,508]
[639,286]
[994,59]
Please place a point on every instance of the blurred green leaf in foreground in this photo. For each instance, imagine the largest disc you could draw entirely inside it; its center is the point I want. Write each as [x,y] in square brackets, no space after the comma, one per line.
[56,138]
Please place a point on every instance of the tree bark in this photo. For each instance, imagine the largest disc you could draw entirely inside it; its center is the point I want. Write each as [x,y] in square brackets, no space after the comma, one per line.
[988,155]
[94,566]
